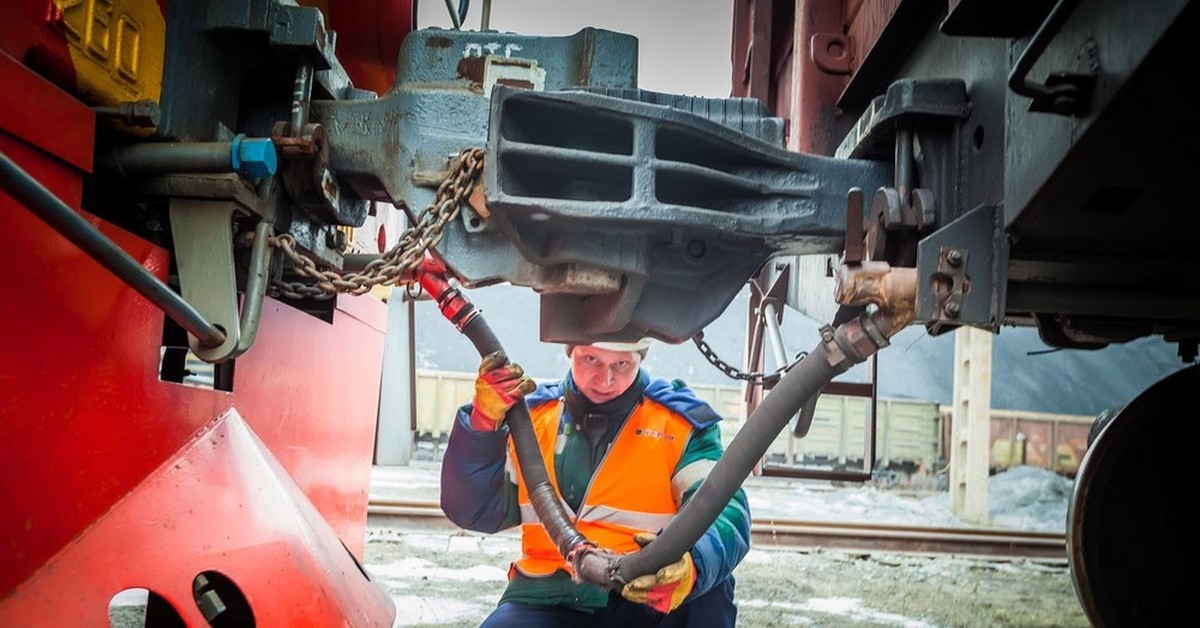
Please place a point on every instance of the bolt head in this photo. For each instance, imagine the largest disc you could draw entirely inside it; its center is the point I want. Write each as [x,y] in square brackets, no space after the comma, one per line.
[258,158]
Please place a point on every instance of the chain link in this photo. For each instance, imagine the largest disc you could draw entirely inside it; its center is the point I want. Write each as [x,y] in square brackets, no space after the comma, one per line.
[405,256]
[409,251]
[732,372]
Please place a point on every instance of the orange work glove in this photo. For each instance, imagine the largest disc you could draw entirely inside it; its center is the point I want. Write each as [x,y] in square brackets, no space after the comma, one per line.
[663,591]
[500,385]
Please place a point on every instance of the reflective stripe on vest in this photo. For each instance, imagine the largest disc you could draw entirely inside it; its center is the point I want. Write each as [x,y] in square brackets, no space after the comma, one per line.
[686,477]
[630,492]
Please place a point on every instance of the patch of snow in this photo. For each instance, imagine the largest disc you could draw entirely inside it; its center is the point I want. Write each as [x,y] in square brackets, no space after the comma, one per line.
[414,610]
[419,568]
[849,608]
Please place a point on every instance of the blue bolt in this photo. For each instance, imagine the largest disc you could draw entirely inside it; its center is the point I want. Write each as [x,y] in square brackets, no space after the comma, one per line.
[253,157]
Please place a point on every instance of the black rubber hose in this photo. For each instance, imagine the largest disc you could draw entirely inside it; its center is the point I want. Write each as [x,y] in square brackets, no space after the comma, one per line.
[801,383]
[550,511]
[855,341]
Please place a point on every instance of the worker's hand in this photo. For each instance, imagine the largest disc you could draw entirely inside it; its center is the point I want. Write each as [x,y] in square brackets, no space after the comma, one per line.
[500,385]
[663,591]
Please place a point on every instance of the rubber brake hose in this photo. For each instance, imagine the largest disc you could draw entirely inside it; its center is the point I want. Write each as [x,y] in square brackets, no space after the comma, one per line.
[604,568]
[467,319]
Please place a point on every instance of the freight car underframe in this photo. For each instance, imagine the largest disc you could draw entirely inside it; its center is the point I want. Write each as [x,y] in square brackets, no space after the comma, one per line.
[1011,201]
[634,213]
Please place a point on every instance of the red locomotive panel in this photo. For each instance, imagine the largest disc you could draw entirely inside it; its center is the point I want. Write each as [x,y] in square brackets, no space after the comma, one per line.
[94,443]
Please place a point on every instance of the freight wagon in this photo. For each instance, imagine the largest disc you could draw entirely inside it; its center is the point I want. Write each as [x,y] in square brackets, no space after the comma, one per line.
[911,435]
[178,176]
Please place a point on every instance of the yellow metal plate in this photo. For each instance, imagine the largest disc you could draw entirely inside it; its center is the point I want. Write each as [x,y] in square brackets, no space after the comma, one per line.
[117,47]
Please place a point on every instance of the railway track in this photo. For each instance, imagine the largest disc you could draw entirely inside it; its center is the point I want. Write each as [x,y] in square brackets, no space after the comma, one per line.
[798,534]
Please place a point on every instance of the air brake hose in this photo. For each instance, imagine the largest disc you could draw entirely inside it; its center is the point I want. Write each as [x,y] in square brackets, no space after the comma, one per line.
[838,350]
[466,318]
[803,382]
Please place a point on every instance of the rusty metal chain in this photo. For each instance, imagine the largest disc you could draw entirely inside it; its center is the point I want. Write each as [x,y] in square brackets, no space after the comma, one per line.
[733,372]
[405,256]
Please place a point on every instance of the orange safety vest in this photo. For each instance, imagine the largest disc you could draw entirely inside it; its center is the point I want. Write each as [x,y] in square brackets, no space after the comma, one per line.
[630,491]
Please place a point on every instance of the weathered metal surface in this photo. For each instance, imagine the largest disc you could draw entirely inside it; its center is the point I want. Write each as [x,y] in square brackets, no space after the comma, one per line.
[369,34]
[178,525]
[87,416]
[115,48]
[960,264]
[439,104]
[1124,526]
[659,198]
[1055,201]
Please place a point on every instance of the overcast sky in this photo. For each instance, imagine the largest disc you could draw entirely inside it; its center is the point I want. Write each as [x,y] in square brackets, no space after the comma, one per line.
[683,45]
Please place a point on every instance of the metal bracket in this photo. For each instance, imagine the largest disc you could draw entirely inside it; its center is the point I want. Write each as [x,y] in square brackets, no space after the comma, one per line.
[906,99]
[203,235]
[962,267]
[1064,93]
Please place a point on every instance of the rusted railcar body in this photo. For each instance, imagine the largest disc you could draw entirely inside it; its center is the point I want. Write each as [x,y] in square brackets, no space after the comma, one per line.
[1039,164]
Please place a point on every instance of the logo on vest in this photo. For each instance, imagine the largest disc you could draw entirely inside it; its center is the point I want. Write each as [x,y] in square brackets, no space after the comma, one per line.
[649,433]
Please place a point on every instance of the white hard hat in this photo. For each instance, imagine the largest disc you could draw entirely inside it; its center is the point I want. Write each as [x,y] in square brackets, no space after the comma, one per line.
[638,345]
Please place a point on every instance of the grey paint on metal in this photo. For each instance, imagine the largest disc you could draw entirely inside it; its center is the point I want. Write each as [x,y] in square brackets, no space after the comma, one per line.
[906,100]
[209,61]
[748,116]
[678,210]
[393,147]
[938,116]
[966,165]
[314,237]
[1124,35]
[203,234]
[394,433]
[1085,199]
[229,68]
[811,283]
[979,236]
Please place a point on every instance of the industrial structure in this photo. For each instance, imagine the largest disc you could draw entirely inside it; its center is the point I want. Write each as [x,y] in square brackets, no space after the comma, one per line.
[231,180]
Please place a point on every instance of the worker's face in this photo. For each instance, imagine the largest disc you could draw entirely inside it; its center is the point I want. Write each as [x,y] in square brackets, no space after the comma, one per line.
[602,375]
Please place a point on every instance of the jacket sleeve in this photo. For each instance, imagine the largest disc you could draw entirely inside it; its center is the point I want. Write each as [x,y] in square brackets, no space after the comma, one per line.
[477,492]
[727,540]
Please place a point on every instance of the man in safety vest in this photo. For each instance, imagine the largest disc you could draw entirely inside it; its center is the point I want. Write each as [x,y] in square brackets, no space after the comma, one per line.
[624,452]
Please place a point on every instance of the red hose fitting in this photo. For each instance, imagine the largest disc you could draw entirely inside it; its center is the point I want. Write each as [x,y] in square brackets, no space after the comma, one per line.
[431,274]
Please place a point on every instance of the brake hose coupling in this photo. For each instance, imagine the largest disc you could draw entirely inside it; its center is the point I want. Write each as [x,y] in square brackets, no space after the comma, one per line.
[854,341]
[450,300]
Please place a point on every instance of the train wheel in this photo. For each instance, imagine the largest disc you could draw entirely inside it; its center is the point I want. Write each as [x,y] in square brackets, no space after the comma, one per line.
[1102,420]
[1126,528]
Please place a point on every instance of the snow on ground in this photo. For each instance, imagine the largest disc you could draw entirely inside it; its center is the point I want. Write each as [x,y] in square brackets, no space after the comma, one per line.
[847,609]
[454,578]
[1023,498]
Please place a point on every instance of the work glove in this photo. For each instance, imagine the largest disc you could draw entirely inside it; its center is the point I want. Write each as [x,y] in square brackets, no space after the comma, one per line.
[665,590]
[500,385]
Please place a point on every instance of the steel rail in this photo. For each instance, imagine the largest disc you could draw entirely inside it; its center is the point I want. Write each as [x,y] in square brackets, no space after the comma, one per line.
[799,534]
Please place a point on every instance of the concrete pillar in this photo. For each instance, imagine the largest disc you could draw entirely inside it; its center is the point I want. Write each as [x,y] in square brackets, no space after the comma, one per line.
[397,403]
[971,424]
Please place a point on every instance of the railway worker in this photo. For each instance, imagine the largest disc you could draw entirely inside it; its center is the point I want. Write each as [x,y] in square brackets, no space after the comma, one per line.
[619,434]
